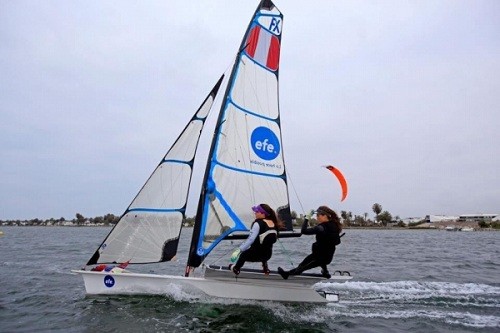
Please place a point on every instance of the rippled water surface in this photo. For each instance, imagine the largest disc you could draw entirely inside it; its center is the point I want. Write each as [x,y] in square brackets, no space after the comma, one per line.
[404,280]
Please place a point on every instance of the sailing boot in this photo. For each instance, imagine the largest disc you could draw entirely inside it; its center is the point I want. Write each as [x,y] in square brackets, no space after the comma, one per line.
[233,269]
[284,274]
[265,268]
[325,273]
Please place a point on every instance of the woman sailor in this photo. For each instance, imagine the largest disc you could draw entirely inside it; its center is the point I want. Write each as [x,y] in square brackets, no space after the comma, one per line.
[259,244]
[327,237]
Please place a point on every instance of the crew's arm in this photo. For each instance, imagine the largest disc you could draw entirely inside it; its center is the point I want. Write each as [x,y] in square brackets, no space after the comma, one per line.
[311,231]
[254,232]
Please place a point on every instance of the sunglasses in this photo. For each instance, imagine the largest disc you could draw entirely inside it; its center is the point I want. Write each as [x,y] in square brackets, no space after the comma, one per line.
[320,212]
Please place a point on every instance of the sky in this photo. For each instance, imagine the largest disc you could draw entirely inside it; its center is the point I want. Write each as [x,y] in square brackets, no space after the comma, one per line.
[402,96]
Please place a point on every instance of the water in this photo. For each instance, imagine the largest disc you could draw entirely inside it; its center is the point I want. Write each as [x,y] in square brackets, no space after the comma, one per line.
[409,280]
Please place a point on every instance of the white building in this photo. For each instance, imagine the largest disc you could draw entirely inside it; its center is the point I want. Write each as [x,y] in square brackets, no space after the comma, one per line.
[410,220]
[440,218]
[478,217]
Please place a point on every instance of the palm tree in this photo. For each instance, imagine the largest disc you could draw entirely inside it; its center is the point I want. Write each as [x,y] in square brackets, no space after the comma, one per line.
[79,219]
[343,214]
[377,208]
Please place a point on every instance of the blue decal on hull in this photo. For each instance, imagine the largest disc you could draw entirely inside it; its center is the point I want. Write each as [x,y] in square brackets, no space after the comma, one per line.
[109,281]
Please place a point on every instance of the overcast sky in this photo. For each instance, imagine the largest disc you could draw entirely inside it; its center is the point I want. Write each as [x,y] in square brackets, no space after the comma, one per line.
[402,96]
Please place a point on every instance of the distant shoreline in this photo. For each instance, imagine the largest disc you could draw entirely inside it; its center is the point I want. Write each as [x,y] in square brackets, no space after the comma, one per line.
[476,228]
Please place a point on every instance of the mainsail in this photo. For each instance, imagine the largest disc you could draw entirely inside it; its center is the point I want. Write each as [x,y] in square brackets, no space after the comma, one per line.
[149,229]
[245,164]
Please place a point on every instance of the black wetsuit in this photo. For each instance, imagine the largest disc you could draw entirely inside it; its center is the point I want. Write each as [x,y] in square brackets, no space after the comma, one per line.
[327,237]
[262,247]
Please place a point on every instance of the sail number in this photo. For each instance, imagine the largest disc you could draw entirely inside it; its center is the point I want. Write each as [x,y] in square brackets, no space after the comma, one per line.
[275,26]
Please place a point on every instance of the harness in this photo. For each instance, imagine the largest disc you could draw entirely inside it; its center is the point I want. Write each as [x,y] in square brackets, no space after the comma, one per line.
[267,236]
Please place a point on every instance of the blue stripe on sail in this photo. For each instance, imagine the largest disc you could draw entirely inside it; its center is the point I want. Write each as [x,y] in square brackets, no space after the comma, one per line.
[248,171]
[157,210]
[176,161]
[202,119]
[248,111]
[239,226]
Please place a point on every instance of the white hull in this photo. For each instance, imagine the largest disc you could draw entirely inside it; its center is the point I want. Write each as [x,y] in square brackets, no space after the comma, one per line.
[253,286]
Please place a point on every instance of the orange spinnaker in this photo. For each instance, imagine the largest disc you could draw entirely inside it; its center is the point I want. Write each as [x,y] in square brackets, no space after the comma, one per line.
[342,181]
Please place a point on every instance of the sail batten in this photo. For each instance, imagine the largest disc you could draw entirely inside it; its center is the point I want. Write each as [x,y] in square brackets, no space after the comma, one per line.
[158,210]
[242,109]
[177,161]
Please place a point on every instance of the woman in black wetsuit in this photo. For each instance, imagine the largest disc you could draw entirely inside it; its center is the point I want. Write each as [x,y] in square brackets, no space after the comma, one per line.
[259,244]
[327,237]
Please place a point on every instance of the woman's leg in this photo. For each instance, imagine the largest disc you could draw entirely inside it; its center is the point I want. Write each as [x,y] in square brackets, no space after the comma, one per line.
[309,262]
[266,255]
[248,255]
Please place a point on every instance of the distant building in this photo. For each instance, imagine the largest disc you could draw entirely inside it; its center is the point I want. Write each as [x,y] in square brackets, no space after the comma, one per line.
[478,217]
[411,220]
[440,218]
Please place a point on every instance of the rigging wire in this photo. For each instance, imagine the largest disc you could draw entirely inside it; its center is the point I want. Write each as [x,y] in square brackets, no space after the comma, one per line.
[223,255]
[295,192]
[286,252]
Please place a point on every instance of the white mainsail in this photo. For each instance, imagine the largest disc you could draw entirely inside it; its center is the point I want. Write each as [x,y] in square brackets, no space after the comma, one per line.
[149,229]
[245,165]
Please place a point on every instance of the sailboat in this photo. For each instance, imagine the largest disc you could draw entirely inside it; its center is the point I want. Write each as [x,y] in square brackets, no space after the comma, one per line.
[245,166]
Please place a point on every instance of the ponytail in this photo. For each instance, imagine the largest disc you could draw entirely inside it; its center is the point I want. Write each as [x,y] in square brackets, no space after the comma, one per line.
[271,214]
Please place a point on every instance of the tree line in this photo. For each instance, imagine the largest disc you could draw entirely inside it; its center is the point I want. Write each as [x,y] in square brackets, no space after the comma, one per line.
[348,219]
[382,218]
[78,220]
